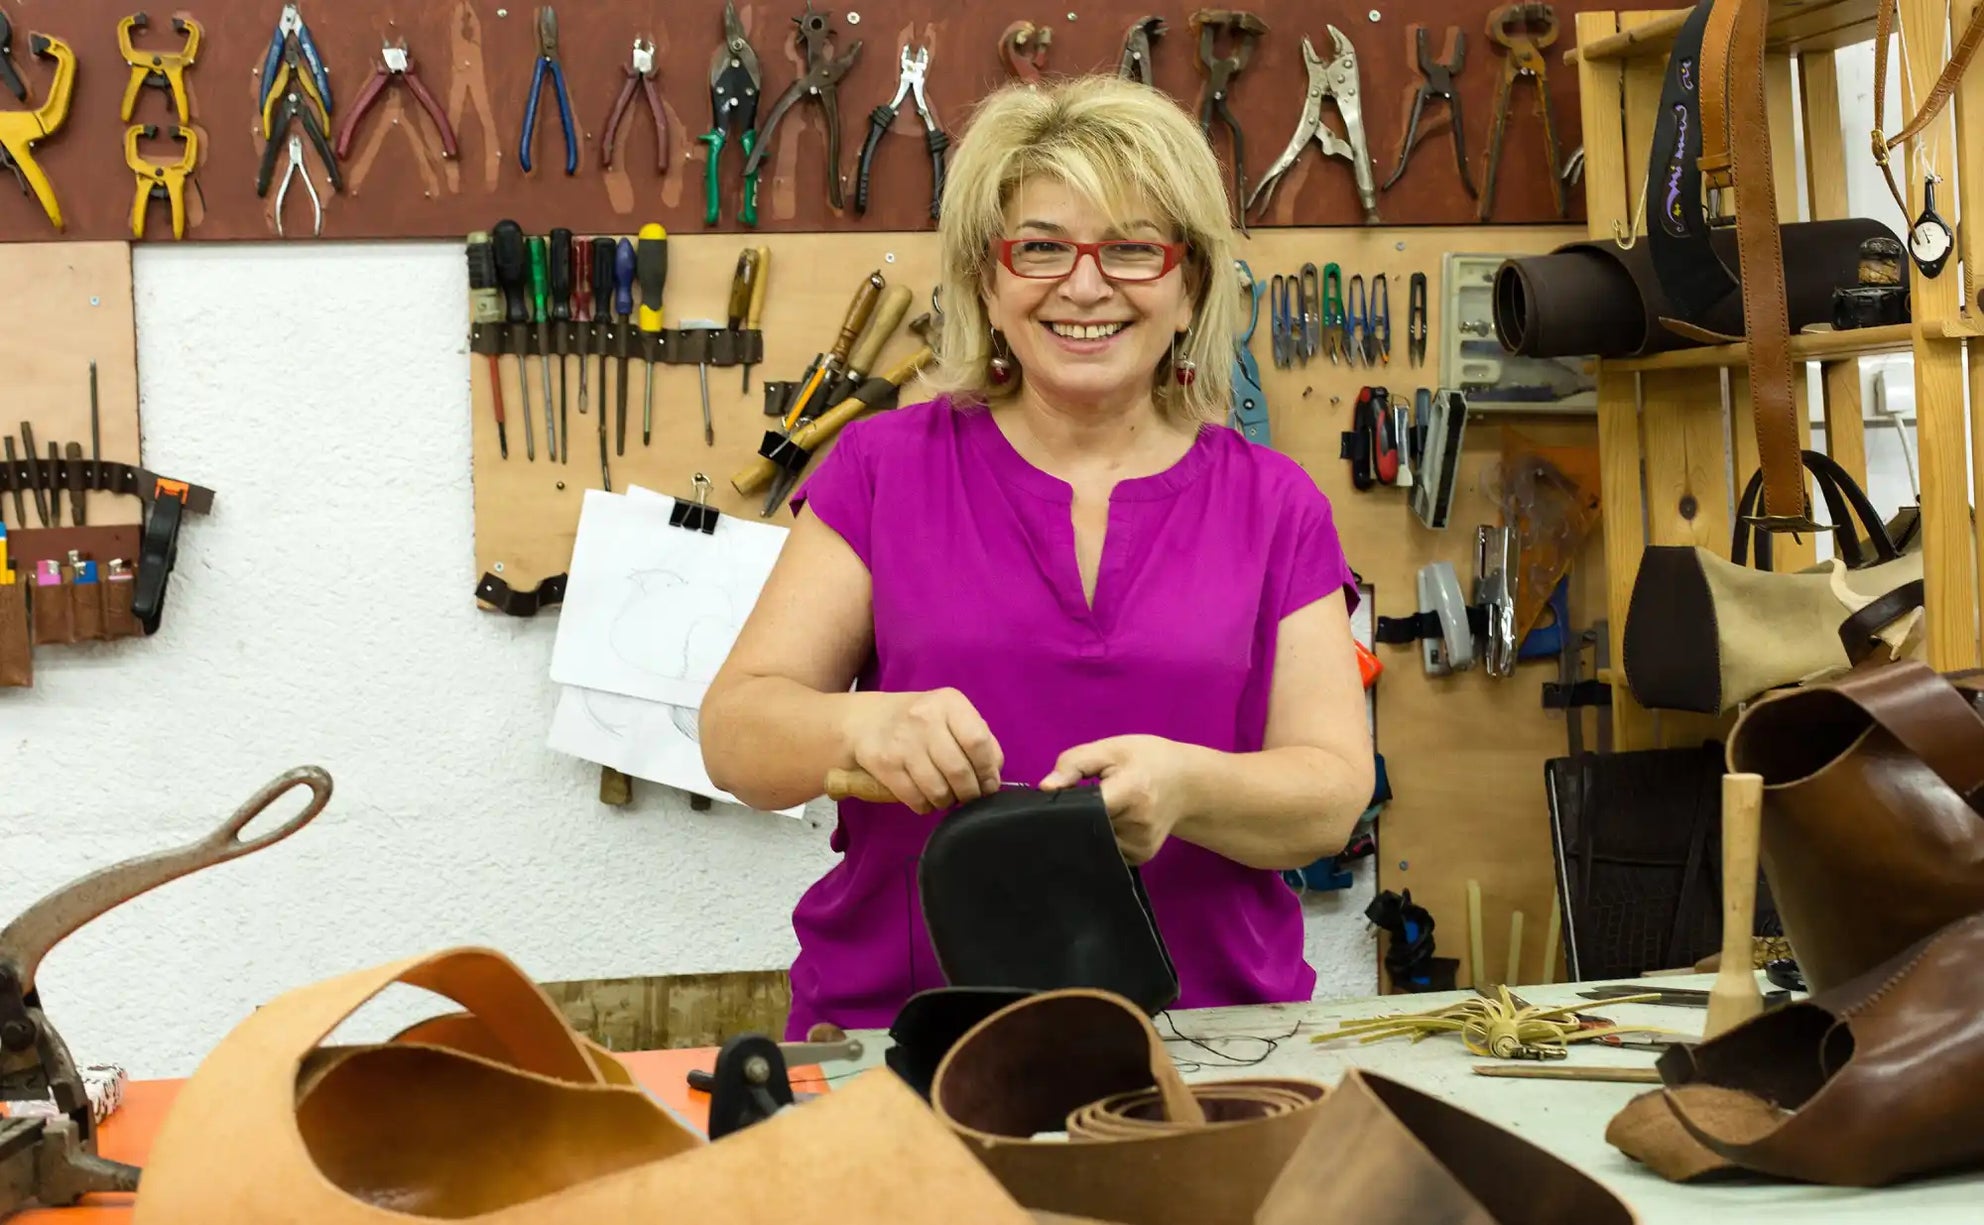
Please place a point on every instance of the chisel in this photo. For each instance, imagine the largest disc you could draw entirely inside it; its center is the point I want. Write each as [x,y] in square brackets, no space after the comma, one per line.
[34,473]
[20,507]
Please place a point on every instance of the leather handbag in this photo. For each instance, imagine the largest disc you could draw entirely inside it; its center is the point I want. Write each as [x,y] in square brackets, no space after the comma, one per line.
[1874,1081]
[522,1123]
[1873,826]
[1028,888]
[1706,633]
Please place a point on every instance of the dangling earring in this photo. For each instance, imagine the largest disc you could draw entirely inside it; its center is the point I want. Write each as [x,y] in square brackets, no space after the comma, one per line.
[1001,365]
[1184,368]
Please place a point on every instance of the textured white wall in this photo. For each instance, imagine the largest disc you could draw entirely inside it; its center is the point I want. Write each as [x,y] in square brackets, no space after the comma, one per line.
[323,614]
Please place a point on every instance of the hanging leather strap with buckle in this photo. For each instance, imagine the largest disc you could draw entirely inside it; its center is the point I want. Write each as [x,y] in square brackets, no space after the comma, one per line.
[1939,96]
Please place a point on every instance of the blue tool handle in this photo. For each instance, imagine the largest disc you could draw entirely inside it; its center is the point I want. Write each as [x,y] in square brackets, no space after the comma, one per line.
[565,115]
[530,117]
[317,68]
[1547,641]
[269,65]
[623,278]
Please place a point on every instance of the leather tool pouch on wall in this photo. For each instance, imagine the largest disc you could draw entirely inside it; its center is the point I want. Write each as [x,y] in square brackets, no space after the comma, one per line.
[1027,888]
[16,641]
[1705,633]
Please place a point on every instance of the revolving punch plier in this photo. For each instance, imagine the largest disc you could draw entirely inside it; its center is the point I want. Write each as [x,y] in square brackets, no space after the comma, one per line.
[1335,79]
[1438,85]
[293,63]
[908,84]
[734,85]
[1244,29]
[547,64]
[640,76]
[821,82]
[396,64]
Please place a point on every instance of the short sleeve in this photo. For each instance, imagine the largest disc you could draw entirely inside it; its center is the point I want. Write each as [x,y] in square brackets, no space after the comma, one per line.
[1312,562]
[841,491]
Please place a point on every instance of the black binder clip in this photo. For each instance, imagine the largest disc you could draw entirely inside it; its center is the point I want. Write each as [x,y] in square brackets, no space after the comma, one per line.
[697,516]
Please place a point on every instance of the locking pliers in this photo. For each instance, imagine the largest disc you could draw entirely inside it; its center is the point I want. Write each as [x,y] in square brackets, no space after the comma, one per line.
[1335,79]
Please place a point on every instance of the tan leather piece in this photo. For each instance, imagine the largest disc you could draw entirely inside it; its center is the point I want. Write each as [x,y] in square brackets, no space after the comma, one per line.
[465,1031]
[1876,1081]
[1143,1147]
[1872,838]
[1380,1150]
[274,1127]
[1647,1131]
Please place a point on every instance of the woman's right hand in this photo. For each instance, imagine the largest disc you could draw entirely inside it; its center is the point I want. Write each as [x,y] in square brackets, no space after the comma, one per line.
[932,749]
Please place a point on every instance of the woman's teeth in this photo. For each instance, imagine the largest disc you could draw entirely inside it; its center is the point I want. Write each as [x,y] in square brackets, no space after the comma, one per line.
[1086,331]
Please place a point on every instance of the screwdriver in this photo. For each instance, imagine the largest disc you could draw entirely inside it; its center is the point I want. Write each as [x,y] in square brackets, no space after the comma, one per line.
[623,306]
[602,287]
[559,258]
[513,271]
[652,267]
[485,301]
[740,297]
[539,286]
[582,308]
[703,371]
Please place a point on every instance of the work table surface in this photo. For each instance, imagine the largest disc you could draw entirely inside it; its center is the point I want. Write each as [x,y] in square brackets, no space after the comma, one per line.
[1567,1118]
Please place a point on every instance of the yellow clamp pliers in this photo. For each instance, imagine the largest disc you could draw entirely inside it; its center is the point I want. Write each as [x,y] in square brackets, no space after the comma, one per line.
[159,69]
[160,180]
[19,130]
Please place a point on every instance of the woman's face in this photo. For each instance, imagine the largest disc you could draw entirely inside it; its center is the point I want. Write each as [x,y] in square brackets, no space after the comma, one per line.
[1084,338]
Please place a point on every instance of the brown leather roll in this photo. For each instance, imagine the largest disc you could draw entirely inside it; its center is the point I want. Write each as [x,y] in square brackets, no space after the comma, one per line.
[1875,1081]
[1142,1147]
[1872,834]
[1596,299]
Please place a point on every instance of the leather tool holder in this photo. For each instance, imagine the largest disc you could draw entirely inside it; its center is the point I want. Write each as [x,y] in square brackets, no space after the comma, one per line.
[16,639]
[1875,1080]
[1873,825]
[1027,888]
[670,346]
[70,612]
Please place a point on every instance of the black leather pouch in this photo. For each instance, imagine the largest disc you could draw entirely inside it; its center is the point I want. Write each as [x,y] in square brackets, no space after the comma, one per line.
[1026,888]
[930,1024]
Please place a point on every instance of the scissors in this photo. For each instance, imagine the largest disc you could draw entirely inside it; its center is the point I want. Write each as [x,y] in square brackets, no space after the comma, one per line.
[1284,321]
[1334,330]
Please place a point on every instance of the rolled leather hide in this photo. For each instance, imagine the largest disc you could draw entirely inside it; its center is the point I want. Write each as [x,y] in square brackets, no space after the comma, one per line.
[1595,299]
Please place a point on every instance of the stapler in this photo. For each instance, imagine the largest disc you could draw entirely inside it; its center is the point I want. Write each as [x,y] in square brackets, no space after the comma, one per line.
[1444,422]
[1451,647]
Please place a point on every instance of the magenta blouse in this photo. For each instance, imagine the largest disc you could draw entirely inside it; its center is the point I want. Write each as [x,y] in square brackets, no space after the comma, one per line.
[972,554]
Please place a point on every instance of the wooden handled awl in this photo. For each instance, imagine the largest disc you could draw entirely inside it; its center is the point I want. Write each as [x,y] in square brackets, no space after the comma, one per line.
[1736,998]
[857,784]
[816,433]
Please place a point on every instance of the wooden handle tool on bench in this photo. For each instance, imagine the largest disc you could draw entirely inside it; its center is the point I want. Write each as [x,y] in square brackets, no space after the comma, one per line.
[1735,998]
[857,784]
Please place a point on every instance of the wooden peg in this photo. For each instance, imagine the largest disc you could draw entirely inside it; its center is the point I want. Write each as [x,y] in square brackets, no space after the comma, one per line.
[1735,998]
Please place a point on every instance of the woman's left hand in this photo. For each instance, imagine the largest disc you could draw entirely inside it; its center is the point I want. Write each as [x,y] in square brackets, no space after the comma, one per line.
[1144,786]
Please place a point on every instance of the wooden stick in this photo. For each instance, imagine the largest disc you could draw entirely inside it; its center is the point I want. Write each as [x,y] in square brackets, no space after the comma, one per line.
[1526,1071]
[1552,938]
[1736,998]
[1515,949]
[1478,965]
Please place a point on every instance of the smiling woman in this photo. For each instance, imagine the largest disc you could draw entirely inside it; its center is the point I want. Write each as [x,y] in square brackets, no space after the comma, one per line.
[1063,570]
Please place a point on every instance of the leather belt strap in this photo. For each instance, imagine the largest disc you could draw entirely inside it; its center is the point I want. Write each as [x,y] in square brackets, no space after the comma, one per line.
[1939,96]
[1739,155]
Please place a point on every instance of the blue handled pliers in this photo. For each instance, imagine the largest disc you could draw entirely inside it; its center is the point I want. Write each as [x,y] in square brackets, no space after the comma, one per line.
[547,60]
[1356,321]
[293,61]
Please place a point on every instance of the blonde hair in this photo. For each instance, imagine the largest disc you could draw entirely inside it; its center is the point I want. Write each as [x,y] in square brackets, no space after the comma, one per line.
[1110,140]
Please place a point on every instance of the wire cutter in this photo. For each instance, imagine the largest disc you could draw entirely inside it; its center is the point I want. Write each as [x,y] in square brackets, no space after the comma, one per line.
[1356,322]
[547,63]
[1336,80]
[821,82]
[1244,29]
[293,61]
[1523,31]
[160,180]
[734,83]
[1378,324]
[910,82]
[640,75]
[1439,86]
[1311,299]
[158,69]
[19,130]
[1281,322]
[1135,64]
[395,64]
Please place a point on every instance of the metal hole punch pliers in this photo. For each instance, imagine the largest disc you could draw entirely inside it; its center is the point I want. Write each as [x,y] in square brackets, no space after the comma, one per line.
[19,130]
[640,75]
[1438,85]
[159,69]
[734,84]
[910,83]
[1244,29]
[292,63]
[160,180]
[1523,31]
[395,64]
[1336,80]
[547,65]
[821,82]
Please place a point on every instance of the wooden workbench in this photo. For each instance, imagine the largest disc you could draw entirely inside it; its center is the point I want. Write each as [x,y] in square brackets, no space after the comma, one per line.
[1567,1118]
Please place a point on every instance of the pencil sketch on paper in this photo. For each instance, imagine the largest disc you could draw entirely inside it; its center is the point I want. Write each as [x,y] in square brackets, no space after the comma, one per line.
[709,619]
[648,740]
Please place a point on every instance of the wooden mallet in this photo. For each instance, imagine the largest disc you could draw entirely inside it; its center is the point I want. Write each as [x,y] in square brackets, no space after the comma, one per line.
[1736,998]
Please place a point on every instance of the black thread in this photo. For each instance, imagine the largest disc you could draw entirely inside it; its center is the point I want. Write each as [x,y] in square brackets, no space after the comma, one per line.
[1227,1061]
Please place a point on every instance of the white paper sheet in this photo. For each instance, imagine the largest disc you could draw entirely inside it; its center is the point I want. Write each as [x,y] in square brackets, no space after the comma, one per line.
[649,740]
[651,609]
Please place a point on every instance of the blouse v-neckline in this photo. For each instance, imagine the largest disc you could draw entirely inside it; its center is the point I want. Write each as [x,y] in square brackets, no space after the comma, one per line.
[1121,537]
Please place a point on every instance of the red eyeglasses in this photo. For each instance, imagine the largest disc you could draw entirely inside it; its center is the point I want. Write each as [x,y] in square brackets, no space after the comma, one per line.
[1119,259]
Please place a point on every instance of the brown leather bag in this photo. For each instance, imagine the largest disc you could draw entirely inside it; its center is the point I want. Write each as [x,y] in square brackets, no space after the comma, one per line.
[1873,835]
[523,1123]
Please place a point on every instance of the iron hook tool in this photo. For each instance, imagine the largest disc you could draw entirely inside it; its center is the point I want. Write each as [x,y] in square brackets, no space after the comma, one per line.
[548,65]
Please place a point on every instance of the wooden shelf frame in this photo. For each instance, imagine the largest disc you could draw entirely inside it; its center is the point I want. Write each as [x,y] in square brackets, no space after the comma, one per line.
[1678,428]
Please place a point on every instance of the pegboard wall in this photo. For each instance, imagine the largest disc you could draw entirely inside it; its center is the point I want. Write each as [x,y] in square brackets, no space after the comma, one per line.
[476,59]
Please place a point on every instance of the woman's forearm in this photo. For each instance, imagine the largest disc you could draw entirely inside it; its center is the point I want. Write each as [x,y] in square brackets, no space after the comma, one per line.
[770,741]
[1279,808]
